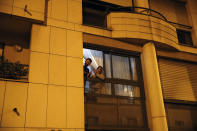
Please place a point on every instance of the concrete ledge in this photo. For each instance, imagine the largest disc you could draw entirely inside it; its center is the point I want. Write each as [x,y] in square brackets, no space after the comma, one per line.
[137,26]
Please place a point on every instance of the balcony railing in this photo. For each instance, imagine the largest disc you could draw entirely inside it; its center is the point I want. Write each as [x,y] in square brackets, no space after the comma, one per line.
[139,10]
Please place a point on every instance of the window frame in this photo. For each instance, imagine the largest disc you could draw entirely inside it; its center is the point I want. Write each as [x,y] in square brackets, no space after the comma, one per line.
[119,52]
[184,33]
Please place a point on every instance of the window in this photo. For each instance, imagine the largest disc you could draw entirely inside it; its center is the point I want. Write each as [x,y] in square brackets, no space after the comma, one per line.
[184,37]
[117,101]
[181,117]
[14,47]
[120,73]
[95,12]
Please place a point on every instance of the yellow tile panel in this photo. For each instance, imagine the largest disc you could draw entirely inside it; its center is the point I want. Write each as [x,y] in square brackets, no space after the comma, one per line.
[74,44]
[75,11]
[2,93]
[40,38]
[15,97]
[75,107]
[57,70]
[93,30]
[74,72]
[20,3]
[58,41]
[5,9]
[56,111]
[37,129]
[36,105]
[12,129]
[38,67]
[34,14]
[79,27]
[6,2]
[36,5]
[107,33]
[119,34]
[59,9]
[49,8]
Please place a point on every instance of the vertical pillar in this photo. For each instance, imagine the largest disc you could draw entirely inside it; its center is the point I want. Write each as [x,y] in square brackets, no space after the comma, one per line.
[192,13]
[153,91]
[141,3]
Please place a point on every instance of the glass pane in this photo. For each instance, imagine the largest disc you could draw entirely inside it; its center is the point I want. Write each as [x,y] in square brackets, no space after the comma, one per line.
[121,67]
[127,90]
[106,89]
[98,87]
[1,50]
[133,69]
[107,66]
[95,56]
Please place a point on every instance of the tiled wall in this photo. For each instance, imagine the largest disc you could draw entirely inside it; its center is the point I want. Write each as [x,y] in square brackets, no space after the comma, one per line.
[16,7]
[53,98]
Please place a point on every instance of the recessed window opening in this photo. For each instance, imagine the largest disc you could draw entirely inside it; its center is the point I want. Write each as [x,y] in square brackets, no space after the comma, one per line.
[113,95]
[184,37]
[14,47]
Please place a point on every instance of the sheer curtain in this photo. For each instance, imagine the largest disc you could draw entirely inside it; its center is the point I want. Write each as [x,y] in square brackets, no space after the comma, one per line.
[121,67]
[133,69]
[107,65]
[127,90]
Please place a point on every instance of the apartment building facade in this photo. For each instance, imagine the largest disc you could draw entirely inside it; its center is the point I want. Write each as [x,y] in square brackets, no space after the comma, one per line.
[147,48]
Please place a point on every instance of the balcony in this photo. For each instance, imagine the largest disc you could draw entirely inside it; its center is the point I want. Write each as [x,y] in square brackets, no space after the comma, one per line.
[140,25]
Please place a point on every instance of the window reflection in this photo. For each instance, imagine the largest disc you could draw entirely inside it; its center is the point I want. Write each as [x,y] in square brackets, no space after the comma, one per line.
[127,90]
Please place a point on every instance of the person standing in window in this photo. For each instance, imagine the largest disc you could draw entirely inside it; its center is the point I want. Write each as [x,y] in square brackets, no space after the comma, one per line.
[97,84]
[86,71]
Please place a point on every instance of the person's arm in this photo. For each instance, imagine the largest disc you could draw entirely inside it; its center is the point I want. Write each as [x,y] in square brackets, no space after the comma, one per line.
[100,76]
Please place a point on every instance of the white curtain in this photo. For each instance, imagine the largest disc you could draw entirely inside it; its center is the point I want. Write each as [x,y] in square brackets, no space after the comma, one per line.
[133,69]
[121,67]
[108,65]
[127,90]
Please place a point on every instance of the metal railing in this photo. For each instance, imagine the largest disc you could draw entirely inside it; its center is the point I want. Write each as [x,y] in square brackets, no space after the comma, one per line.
[139,10]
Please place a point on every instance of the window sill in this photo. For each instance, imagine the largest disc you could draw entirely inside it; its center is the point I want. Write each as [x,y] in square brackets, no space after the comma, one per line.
[14,80]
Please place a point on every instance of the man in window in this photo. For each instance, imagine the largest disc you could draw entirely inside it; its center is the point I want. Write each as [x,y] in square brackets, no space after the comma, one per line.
[97,77]
[86,71]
